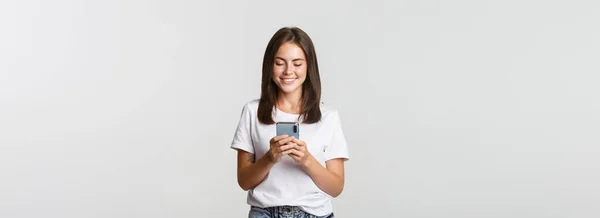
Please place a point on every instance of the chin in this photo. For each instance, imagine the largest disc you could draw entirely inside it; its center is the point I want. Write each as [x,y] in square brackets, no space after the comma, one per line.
[288,89]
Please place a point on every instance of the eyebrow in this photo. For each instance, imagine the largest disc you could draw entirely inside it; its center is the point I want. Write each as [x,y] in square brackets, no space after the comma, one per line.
[297,59]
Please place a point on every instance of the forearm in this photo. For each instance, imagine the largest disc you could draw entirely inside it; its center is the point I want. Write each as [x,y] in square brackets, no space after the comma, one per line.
[252,175]
[328,181]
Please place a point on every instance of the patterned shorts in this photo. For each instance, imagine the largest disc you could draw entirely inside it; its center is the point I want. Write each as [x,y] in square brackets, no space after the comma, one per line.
[282,212]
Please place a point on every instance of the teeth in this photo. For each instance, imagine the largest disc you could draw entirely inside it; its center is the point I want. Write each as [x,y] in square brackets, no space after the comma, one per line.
[288,80]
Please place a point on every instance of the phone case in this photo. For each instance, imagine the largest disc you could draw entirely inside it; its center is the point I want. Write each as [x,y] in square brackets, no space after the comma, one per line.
[288,128]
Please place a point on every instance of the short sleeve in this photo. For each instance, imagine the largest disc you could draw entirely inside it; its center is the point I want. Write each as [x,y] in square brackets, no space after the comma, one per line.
[242,138]
[338,148]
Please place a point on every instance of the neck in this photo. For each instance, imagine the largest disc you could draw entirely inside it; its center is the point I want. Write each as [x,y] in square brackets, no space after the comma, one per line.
[289,102]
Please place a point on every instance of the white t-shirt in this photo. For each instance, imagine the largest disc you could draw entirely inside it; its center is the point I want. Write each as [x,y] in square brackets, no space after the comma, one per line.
[287,183]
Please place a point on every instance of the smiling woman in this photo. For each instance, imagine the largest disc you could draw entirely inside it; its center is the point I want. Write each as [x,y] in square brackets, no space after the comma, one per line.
[287,176]
[290,72]
[290,68]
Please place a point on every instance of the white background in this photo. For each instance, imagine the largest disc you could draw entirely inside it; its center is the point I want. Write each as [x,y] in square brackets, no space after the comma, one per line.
[125,108]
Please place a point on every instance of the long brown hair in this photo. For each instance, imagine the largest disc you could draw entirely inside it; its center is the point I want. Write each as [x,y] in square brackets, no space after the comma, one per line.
[311,88]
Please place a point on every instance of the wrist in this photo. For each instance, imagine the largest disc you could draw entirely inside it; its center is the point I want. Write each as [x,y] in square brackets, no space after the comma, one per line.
[309,162]
[268,160]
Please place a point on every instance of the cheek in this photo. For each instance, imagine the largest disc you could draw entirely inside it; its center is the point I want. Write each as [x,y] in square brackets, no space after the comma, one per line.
[302,72]
[277,70]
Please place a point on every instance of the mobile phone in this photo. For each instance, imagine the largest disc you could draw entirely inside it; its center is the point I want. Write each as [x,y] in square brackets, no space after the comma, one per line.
[288,128]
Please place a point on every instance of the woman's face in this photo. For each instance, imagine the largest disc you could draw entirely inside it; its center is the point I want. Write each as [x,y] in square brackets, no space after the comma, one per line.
[289,68]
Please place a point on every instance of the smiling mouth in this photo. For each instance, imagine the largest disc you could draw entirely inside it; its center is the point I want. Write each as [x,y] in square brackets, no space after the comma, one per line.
[288,81]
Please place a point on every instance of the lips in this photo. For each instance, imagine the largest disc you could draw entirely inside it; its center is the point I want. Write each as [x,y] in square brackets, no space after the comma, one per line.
[288,81]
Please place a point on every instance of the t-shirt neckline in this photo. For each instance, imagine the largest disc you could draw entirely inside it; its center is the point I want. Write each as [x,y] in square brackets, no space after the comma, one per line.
[283,112]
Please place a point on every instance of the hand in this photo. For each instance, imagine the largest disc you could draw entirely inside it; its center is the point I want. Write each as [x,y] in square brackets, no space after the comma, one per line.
[300,153]
[279,147]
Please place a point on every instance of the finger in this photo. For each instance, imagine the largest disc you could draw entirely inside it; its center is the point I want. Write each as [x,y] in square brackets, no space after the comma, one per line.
[296,146]
[299,142]
[289,151]
[297,153]
[295,158]
[277,138]
[285,141]
[287,146]
[299,147]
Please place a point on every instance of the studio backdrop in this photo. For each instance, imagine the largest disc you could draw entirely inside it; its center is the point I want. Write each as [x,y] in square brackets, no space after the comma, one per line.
[469,109]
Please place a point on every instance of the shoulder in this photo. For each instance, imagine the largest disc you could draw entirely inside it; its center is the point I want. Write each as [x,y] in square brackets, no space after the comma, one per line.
[329,113]
[251,105]
[250,108]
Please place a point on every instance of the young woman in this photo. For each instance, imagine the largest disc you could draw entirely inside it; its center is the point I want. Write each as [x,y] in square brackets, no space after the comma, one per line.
[287,176]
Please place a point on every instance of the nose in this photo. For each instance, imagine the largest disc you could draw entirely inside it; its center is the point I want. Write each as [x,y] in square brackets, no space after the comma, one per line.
[289,69]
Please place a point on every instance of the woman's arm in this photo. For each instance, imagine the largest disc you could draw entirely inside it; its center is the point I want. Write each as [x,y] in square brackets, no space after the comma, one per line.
[250,173]
[330,178]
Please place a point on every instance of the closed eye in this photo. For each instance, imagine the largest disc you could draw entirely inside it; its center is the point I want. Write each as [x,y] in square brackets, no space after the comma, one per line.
[298,63]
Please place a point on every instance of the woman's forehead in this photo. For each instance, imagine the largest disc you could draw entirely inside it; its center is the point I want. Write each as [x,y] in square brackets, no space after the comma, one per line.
[290,51]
